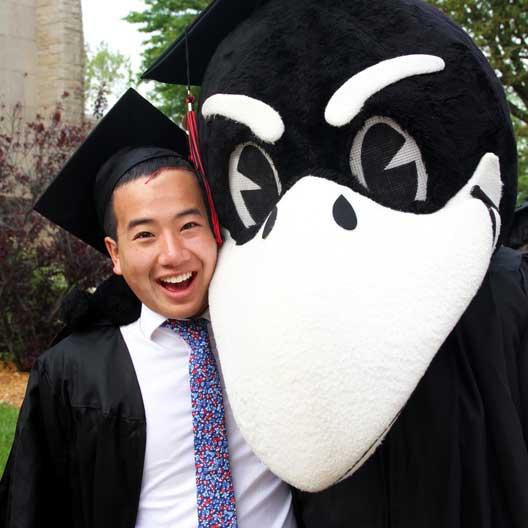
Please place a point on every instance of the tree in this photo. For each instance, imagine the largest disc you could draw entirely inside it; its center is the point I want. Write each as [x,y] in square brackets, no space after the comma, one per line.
[39,264]
[500,29]
[106,72]
[164,21]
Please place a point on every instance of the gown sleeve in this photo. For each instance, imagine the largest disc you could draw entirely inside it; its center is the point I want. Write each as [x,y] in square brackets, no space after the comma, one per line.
[30,489]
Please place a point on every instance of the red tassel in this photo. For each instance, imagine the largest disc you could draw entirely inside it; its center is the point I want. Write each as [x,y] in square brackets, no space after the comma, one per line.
[196,160]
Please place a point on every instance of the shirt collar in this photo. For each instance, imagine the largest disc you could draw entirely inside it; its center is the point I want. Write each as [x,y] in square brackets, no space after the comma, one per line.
[150,321]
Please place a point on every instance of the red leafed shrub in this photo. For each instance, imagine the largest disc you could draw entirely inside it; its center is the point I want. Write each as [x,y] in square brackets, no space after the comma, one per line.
[39,263]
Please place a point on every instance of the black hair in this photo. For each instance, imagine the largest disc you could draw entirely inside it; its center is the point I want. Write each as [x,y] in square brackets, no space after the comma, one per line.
[142,170]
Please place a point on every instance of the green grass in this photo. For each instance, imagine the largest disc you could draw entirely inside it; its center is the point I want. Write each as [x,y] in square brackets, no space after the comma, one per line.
[8,418]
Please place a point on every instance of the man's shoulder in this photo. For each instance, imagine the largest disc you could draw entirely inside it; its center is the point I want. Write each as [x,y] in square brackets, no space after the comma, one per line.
[93,369]
[91,334]
[81,349]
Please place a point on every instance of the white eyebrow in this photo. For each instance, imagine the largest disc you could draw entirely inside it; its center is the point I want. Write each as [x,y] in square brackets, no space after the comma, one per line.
[348,100]
[265,122]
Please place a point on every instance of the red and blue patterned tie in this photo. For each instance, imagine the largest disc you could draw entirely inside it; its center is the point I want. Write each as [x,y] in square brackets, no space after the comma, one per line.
[214,485]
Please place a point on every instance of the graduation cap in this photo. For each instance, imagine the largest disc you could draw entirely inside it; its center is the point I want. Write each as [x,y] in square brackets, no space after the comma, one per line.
[203,35]
[132,132]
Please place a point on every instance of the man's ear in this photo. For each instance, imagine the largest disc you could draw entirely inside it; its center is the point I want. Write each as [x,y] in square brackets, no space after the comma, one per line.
[113,251]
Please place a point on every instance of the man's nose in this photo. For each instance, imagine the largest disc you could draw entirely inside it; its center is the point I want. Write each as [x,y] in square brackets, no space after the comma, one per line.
[173,251]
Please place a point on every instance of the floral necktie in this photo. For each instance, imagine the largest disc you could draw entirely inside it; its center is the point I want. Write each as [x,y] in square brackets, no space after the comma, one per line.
[214,484]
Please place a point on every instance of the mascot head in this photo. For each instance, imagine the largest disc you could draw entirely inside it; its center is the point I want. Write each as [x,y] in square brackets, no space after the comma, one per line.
[364,167]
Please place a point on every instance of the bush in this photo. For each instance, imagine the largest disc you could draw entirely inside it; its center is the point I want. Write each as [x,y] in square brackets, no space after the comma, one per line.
[39,263]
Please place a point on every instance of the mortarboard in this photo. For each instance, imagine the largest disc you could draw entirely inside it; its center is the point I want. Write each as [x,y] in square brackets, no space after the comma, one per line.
[204,35]
[132,131]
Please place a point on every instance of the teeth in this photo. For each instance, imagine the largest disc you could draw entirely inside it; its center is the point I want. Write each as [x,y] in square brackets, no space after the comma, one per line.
[177,278]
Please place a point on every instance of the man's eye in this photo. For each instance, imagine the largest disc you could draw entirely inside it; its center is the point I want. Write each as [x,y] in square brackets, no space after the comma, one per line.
[189,225]
[142,234]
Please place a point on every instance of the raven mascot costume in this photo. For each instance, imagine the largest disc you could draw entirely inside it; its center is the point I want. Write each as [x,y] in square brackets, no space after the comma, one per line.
[372,331]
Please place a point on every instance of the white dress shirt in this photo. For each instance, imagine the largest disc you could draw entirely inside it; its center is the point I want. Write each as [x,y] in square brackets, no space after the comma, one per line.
[168,490]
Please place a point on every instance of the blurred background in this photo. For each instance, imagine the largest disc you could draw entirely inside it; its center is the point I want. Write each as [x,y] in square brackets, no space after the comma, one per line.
[63,63]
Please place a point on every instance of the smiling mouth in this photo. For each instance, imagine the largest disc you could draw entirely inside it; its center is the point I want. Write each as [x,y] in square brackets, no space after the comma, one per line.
[178,283]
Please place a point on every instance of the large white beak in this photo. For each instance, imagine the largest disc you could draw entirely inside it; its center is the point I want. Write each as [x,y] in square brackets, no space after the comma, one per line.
[324,332]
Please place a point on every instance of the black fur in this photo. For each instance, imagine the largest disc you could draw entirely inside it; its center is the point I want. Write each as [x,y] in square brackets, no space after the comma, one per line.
[294,57]
[113,303]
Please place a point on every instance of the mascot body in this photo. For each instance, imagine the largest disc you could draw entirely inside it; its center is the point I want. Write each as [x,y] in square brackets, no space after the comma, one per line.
[364,167]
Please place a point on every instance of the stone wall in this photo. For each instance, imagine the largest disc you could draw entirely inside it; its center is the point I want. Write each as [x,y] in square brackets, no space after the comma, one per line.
[41,56]
[18,53]
[60,42]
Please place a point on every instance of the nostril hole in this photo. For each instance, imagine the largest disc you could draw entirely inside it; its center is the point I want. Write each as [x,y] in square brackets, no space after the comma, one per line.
[270,223]
[344,214]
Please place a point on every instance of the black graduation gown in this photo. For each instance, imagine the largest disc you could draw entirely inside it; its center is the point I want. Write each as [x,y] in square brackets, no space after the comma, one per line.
[457,457]
[78,454]
[77,458]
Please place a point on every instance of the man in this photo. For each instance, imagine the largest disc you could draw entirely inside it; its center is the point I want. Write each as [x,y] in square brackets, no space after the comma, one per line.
[125,426]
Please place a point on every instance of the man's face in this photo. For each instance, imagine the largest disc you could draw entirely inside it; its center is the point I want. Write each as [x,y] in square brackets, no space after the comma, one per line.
[165,249]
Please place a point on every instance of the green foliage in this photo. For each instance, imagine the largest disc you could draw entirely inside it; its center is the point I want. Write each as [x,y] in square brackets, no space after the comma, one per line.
[500,29]
[106,72]
[164,21]
[8,418]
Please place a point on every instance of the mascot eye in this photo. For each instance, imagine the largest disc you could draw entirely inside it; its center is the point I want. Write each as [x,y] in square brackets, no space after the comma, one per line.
[254,183]
[387,161]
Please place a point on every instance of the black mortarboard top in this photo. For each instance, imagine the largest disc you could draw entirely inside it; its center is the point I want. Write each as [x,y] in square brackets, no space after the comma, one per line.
[204,35]
[132,131]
